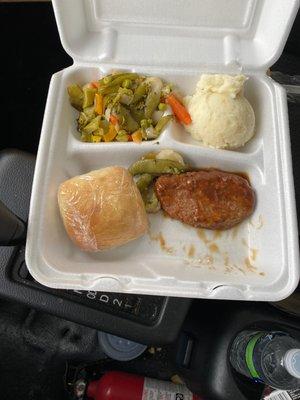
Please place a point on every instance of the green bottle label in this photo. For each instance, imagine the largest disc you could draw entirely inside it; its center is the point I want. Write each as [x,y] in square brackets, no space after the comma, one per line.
[249,355]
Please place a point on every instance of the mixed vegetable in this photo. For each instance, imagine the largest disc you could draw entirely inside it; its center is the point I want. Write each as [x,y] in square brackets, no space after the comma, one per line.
[125,106]
[149,167]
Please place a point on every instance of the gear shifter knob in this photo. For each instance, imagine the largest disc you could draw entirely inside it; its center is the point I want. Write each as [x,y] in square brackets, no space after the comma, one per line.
[12,229]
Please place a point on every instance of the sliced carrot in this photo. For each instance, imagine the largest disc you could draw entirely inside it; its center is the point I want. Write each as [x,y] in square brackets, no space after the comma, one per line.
[137,136]
[98,104]
[113,119]
[111,134]
[180,112]
[95,84]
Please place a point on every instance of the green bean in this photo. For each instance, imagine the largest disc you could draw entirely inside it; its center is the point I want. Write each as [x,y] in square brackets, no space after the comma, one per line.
[108,89]
[151,202]
[92,126]
[75,91]
[108,78]
[162,123]
[140,92]
[127,91]
[76,96]
[128,123]
[85,117]
[108,98]
[90,112]
[152,102]
[126,83]
[162,106]
[119,79]
[116,80]
[103,124]
[122,136]
[157,167]
[82,120]
[145,123]
[98,132]
[152,205]
[149,156]
[86,137]
[118,97]
[122,132]
[143,182]
[116,100]
[126,96]
[138,115]
[88,97]
[105,80]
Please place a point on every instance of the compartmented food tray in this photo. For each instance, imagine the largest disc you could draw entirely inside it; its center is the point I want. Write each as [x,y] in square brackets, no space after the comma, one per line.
[256,260]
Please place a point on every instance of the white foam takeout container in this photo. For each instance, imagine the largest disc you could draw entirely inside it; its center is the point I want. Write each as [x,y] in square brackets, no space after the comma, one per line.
[176,40]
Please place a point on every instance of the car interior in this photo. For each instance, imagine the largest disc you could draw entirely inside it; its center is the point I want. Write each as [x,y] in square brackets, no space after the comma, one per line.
[49,338]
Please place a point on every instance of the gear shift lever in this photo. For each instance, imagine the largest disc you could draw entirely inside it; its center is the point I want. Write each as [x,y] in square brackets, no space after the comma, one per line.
[12,229]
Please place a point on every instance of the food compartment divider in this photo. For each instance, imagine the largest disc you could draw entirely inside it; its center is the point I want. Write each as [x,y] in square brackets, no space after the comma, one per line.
[259,259]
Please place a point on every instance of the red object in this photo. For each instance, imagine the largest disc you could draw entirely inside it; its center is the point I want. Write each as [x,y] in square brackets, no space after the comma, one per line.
[116,385]
[180,112]
[95,84]
[113,119]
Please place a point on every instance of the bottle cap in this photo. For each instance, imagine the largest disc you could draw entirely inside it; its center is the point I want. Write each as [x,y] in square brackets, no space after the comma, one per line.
[119,348]
[291,361]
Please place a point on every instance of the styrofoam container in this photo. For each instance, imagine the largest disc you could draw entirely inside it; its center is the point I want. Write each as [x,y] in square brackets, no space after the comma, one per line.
[175,40]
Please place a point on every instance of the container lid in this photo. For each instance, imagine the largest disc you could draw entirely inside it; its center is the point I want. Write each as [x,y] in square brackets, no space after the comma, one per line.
[292,362]
[182,33]
[119,348]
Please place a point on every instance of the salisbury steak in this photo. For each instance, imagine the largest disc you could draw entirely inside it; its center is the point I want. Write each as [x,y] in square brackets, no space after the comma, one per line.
[206,199]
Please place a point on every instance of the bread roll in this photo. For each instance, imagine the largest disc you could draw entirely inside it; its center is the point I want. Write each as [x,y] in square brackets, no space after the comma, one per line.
[102,209]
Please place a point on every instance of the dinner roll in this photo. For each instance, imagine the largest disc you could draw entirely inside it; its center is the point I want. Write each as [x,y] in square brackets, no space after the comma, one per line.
[102,209]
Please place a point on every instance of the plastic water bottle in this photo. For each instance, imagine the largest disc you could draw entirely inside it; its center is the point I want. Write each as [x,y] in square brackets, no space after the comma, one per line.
[272,358]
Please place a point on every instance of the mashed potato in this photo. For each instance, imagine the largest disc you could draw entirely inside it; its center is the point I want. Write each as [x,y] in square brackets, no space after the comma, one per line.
[221,116]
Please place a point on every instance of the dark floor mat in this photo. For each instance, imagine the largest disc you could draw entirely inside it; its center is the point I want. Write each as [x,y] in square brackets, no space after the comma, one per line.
[33,352]
[35,348]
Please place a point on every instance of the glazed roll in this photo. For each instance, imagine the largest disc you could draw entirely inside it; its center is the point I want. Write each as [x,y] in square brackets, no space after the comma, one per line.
[102,209]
